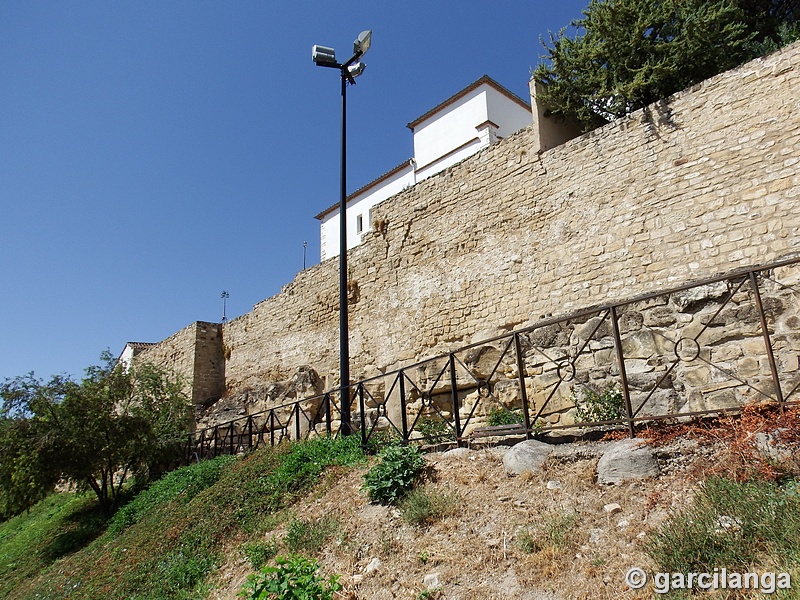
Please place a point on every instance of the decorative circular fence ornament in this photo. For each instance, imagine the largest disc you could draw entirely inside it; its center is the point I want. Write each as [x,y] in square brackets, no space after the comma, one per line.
[484,389]
[381,410]
[687,349]
[565,370]
[426,399]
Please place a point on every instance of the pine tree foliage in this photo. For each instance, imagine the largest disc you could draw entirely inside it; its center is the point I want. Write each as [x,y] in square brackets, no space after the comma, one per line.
[629,53]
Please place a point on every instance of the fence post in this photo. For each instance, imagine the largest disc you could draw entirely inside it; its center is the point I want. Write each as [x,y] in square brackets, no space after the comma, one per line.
[202,444]
[327,401]
[767,340]
[522,391]
[454,397]
[362,418]
[623,376]
[403,417]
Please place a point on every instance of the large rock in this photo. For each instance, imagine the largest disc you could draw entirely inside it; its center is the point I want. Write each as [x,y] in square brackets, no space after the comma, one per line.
[626,460]
[526,456]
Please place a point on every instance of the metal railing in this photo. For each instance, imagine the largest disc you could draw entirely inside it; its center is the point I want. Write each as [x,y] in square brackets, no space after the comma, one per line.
[703,348]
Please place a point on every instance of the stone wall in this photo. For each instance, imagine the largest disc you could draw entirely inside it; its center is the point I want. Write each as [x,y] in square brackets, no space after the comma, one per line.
[196,355]
[698,184]
[679,353]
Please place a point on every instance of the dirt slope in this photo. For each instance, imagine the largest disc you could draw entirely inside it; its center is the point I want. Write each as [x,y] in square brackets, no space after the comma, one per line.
[538,536]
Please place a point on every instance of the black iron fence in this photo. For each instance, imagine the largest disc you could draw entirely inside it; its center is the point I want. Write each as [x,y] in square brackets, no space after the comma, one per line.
[710,346]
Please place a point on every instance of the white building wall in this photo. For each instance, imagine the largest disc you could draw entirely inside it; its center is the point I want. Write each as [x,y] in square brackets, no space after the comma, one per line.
[360,206]
[450,129]
[455,130]
[508,115]
[451,159]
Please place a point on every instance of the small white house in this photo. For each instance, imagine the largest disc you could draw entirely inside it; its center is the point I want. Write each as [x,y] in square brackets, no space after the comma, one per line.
[477,116]
[132,349]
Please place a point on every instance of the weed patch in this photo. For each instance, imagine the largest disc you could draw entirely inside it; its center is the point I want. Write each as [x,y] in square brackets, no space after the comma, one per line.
[426,505]
[555,530]
[310,536]
[501,416]
[600,404]
[731,524]
[260,552]
[435,430]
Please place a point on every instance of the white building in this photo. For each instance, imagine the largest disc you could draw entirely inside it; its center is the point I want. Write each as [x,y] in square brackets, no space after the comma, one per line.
[475,117]
[132,349]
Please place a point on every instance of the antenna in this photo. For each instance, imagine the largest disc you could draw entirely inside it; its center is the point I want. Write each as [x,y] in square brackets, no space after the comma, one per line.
[225,295]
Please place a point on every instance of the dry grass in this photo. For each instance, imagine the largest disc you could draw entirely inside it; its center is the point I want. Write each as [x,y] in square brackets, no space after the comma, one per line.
[518,537]
[476,550]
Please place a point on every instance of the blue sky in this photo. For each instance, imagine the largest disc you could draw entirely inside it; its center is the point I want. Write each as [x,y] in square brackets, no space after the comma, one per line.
[153,154]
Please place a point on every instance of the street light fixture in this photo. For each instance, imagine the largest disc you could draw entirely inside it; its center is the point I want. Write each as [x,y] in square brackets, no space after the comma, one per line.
[349,70]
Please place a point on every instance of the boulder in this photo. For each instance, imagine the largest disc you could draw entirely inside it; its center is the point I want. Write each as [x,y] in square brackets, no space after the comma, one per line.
[526,456]
[626,460]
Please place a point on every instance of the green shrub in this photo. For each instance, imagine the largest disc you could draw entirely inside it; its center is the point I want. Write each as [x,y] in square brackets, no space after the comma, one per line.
[501,416]
[259,552]
[394,475]
[731,524]
[309,536]
[295,578]
[423,506]
[434,431]
[600,404]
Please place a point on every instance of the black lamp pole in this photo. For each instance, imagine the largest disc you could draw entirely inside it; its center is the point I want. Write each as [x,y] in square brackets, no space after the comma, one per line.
[344,331]
[325,57]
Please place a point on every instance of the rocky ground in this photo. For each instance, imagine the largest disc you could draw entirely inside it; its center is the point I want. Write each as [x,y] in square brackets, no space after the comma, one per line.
[552,533]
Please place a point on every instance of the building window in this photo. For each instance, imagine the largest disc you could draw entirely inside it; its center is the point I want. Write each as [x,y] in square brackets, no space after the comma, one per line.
[359,224]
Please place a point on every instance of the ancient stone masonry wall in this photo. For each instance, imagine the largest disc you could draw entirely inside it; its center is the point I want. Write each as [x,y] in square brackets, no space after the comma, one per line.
[699,184]
[194,354]
[718,344]
[690,351]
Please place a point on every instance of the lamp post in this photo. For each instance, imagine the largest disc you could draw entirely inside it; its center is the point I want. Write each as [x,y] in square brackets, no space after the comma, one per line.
[349,70]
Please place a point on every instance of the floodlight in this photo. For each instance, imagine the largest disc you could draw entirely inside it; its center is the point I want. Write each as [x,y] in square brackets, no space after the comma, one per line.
[356,69]
[363,41]
[323,55]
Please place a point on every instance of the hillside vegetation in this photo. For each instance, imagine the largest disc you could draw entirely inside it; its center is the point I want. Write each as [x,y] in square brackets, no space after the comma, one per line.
[465,530]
